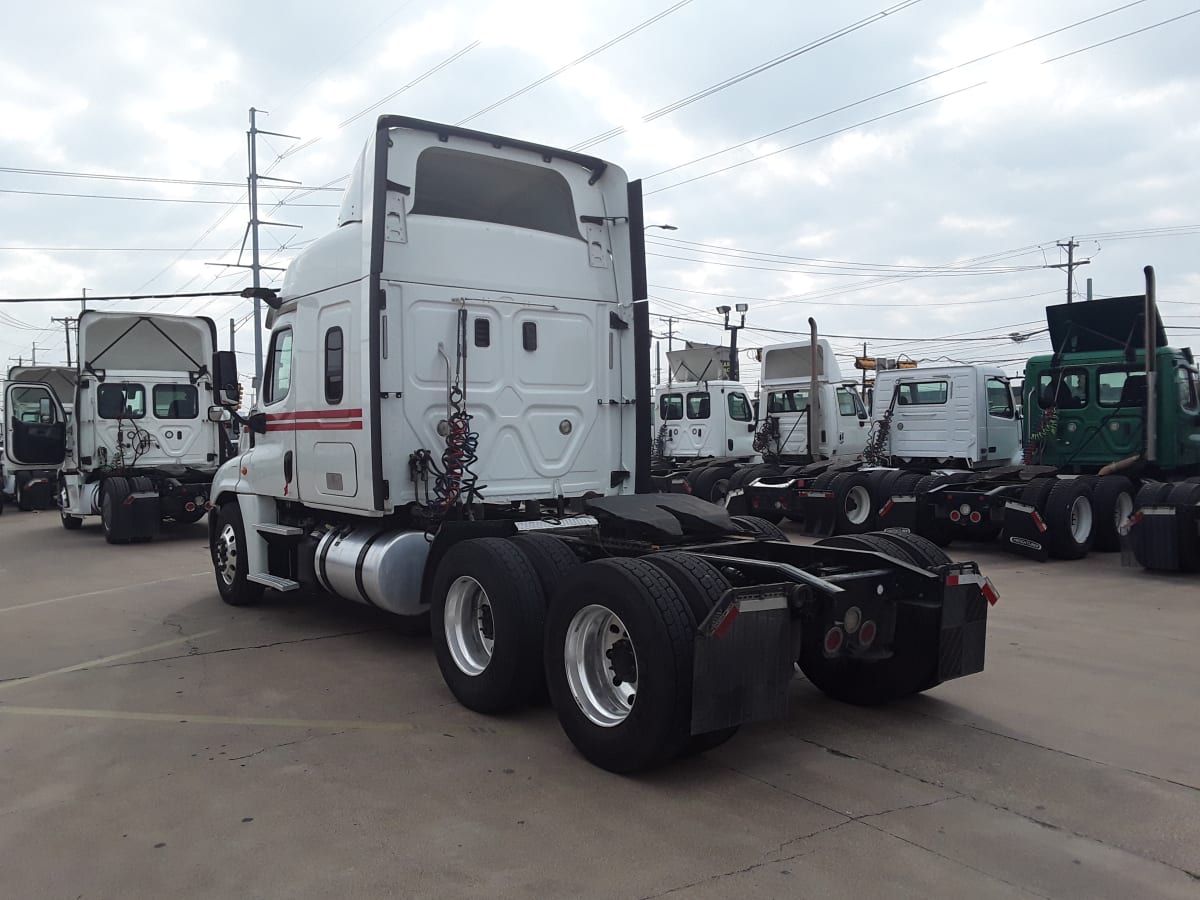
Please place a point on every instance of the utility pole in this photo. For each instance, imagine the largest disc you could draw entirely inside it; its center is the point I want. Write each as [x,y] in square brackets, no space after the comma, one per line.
[1089,290]
[670,334]
[67,322]
[256,267]
[232,339]
[34,363]
[83,301]
[864,378]
[1070,265]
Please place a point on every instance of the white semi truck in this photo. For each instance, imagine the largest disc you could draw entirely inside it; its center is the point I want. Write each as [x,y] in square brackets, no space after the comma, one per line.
[31,485]
[926,422]
[125,435]
[456,426]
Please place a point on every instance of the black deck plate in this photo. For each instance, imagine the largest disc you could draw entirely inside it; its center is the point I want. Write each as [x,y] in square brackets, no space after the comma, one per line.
[663,515]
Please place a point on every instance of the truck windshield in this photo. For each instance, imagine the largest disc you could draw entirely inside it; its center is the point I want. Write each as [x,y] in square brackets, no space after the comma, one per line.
[458,185]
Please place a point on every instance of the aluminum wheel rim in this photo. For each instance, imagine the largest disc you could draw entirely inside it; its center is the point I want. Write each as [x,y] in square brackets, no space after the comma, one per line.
[1081,519]
[468,625]
[595,634]
[1122,510]
[858,505]
[227,554]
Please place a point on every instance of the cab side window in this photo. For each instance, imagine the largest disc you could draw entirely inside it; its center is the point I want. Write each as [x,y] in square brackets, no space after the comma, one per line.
[334,359]
[1187,390]
[279,367]
[699,405]
[999,399]
[670,407]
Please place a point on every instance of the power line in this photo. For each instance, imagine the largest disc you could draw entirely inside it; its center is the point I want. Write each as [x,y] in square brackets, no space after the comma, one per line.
[142,179]
[593,52]
[749,73]
[122,249]
[903,109]
[931,272]
[146,199]
[117,297]
[888,305]
[899,87]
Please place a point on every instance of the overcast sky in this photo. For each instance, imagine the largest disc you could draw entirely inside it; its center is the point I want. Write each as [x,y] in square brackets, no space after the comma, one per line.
[1031,150]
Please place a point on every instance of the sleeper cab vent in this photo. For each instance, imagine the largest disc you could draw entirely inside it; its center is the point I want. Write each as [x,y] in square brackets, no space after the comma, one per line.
[529,336]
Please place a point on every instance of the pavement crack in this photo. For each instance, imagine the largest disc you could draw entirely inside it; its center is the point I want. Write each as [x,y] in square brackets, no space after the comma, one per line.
[302,740]
[194,652]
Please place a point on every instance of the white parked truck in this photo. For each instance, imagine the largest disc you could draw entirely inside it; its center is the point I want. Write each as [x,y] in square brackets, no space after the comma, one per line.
[926,422]
[456,426]
[126,434]
[31,485]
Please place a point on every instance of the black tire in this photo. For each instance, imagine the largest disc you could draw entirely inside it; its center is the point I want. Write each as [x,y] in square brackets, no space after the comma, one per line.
[659,631]
[509,673]
[1068,514]
[1037,492]
[759,527]
[188,518]
[745,474]
[910,669]
[883,485]
[712,484]
[702,586]
[113,492]
[876,543]
[1152,493]
[1110,494]
[925,552]
[226,546]
[852,492]
[692,475]
[553,560]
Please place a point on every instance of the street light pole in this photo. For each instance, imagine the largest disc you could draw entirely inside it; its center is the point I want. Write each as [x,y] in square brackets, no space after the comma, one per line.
[734,371]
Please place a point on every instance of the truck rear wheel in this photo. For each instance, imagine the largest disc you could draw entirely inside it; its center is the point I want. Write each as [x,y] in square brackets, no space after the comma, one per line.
[619,663]
[925,552]
[113,492]
[1069,518]
[702,585]
[487,612]
[712,484]
[1112,503]
[228,551]
[876,543]
[1187,494]
[855,502]
[759,527]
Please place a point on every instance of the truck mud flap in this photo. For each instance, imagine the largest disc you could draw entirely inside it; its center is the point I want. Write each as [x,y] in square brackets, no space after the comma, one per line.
[737,503]
[899,514]
[744,658]
[1161,537]
[963,638]
[137,516]
[819,513]
[1025,531]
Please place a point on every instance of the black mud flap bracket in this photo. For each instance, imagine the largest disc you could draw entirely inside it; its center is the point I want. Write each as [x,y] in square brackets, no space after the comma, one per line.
[963,638]
[1025,531]
[744,657]
[899,514]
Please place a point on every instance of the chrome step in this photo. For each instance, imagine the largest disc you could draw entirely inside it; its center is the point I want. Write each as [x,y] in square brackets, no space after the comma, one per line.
[274,581]
[272,528]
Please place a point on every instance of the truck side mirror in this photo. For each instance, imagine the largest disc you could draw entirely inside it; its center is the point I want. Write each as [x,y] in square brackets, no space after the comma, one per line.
[225,378]
[257,422]
[219,414]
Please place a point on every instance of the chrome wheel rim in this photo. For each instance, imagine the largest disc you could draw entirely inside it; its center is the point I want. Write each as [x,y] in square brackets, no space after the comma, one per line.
[1122,510]
[858,505]
[1081,519]
[227,554]
[469,626]
[601,665]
